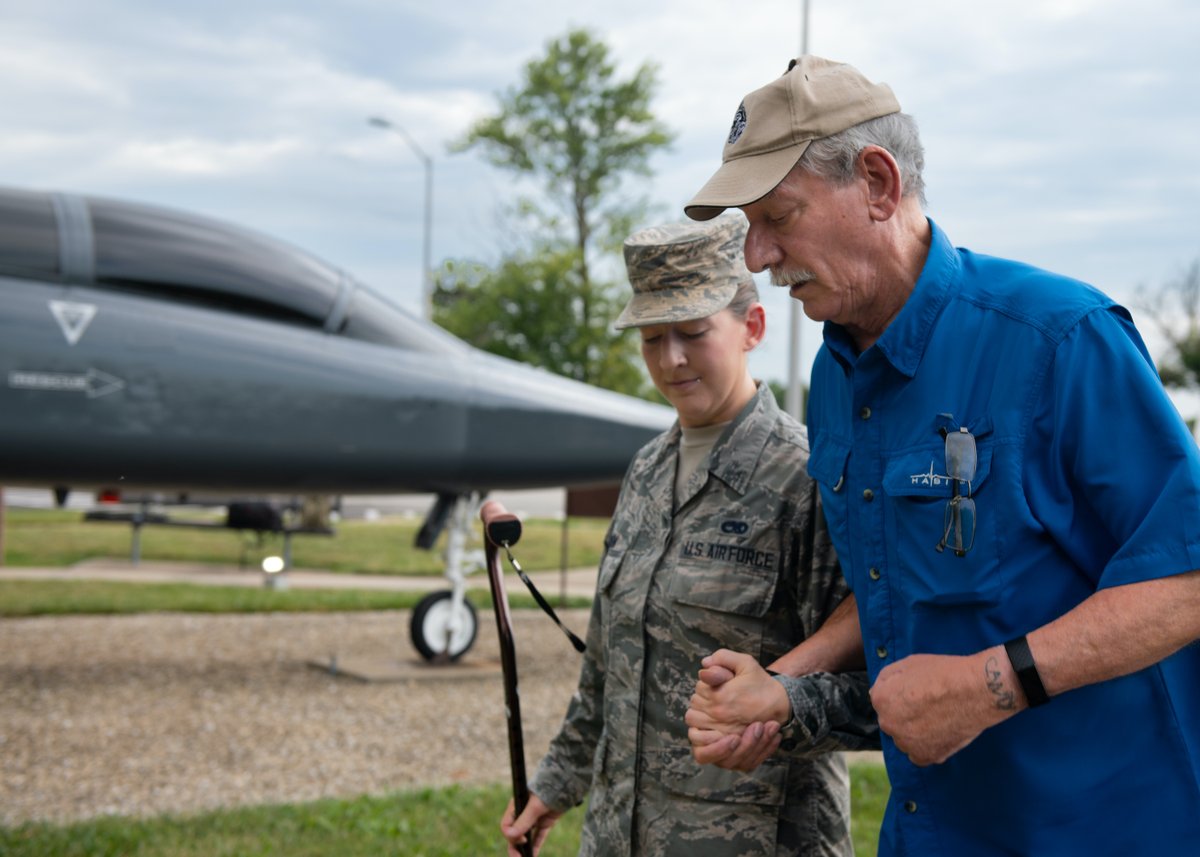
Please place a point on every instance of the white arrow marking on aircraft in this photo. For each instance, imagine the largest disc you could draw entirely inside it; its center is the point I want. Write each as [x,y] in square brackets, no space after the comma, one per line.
[93,382]
[73,318]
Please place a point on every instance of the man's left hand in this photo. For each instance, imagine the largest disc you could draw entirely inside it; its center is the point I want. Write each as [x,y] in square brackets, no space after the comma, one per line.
[934,705]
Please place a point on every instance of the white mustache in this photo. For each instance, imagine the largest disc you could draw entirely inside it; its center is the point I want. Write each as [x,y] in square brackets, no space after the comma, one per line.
[785,278]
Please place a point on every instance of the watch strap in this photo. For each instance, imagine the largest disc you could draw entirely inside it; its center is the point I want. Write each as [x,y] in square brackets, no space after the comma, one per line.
[1027,674]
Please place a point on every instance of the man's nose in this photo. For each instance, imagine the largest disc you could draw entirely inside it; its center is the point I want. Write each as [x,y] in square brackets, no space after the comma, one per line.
[761,252]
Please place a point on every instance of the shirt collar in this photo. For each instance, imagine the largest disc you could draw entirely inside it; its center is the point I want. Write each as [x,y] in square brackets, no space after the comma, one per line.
[903,342]
[736,454]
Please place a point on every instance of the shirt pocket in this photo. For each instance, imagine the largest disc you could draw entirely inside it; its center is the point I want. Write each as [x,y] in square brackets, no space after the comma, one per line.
[721,593]
[612,585]
[919,491]
[680,774]
[827,466]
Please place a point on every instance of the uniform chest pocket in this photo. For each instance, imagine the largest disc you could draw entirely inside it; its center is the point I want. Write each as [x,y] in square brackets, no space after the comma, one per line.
[722,591]
[827,465]
[923,516]
[724,588]
[619,601]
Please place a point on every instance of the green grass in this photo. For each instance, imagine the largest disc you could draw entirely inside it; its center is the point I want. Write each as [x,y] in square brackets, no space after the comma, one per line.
[66,597]
[57,537]
[451,822]
[869,790]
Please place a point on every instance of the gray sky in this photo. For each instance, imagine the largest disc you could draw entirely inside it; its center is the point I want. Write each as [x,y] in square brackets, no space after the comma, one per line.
[1059,132]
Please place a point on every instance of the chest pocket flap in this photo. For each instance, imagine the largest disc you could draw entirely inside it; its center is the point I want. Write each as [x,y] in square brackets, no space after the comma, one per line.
[922,473]
[827,462]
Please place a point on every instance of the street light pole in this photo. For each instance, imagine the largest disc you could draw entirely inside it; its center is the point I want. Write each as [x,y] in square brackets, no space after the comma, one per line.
[795,391]
[426,259]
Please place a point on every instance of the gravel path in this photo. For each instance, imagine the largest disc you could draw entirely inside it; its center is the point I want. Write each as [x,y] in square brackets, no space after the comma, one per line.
[142,715]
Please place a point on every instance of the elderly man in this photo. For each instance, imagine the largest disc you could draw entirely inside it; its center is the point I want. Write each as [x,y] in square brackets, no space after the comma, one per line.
[1013,497]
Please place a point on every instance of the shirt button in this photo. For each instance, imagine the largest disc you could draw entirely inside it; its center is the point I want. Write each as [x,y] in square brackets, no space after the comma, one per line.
[881,651]
[910,806]
[868,495]
[874,573]
[865,413]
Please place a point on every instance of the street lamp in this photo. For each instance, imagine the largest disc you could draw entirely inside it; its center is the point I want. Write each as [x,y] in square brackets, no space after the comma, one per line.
[426,262]
[795,390]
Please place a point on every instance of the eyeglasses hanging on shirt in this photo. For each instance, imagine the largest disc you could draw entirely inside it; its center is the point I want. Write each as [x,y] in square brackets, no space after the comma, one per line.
[958,526]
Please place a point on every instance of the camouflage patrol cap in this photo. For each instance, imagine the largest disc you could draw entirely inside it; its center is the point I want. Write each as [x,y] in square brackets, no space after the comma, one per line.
[683,271]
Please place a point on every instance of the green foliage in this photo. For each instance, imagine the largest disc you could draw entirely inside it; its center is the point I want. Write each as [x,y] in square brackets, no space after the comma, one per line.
[1175,309]
[531,308]
[448,822]
[579,130]
[574,125]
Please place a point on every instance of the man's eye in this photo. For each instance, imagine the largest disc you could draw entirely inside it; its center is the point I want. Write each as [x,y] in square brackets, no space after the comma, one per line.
[650,340]
[696,335]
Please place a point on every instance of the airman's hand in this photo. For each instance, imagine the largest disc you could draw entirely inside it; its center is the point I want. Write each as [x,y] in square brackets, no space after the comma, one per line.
[536,816]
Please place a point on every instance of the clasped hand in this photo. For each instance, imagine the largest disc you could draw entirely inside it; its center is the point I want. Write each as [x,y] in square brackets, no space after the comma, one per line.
[735,714]
[931,705]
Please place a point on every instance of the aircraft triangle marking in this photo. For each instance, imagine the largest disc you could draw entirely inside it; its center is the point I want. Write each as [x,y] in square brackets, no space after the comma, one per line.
[73,318]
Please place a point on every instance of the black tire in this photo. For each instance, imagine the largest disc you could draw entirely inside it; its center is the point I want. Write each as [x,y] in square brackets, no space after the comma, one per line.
[428,627]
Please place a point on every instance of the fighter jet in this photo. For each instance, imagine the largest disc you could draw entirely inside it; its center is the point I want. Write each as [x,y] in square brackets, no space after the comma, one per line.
[151,348]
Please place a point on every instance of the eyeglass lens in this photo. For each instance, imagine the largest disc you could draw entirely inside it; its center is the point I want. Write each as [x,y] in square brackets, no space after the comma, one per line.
[959,531]
[961,457]
[958,528]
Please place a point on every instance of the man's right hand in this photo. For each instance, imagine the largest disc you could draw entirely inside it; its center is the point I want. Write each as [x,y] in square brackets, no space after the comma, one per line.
[536,816]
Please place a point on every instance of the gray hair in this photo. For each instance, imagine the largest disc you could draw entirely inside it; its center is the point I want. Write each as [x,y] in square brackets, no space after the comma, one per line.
[745,297]
[832,158]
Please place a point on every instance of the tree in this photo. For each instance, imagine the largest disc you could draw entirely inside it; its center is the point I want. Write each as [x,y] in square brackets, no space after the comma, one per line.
[526,309]
[1175,310]
[579,130]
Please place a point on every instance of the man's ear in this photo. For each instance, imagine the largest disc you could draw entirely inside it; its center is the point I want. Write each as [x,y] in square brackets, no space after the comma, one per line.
[885,185]
[756,326]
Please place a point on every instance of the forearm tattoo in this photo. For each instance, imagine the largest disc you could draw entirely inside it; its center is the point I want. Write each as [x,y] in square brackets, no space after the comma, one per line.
[1004,698]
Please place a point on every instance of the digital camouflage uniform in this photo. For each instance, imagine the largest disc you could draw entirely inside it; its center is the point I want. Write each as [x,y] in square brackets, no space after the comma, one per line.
[744,563]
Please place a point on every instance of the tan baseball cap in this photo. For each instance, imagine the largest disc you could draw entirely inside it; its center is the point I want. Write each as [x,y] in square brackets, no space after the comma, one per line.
[683,271]
[773,126]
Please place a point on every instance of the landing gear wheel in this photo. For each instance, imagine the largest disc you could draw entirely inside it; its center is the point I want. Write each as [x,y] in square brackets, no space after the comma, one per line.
[431,625]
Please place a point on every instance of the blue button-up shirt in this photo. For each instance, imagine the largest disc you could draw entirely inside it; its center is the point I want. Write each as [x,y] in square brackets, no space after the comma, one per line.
[1086,478]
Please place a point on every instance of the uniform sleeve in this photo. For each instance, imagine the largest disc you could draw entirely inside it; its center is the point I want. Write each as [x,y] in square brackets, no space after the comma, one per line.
[1114,473]
[829,712]
[820,586]
[564,775]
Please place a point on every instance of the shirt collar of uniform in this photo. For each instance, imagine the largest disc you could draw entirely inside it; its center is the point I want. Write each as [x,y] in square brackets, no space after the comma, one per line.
[903,342]
[736,454]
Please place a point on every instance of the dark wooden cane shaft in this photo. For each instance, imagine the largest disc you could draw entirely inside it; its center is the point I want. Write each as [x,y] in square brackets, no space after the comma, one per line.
[497,522]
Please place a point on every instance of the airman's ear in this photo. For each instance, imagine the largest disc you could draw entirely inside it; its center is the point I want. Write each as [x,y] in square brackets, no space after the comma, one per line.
[885,185]
[756,326]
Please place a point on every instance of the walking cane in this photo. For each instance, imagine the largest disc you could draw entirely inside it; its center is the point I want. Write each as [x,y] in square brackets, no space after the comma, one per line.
[503,530]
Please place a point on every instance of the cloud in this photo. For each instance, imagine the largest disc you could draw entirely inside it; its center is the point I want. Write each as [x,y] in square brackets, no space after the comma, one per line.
[1058,132]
